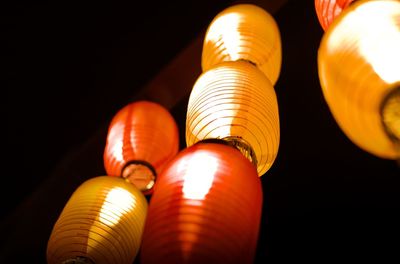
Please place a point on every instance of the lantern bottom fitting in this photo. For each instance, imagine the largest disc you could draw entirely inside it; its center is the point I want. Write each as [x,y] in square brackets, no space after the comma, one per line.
[390,113]
[141,174]
[78,260]
[248,61]
[237,143]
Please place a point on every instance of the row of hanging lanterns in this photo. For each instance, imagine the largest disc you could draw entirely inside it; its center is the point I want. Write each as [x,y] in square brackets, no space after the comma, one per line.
[206,206]
[206,201]
[104,219]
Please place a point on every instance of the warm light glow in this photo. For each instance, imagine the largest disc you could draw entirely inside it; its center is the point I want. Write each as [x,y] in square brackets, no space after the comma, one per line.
[117,148]
[206,208]
[199,176]
[230,38]
[244,32]
[222,119]
[359,64]
[141,131]
[235,100]
[373,28]
[103,221]
[117,202]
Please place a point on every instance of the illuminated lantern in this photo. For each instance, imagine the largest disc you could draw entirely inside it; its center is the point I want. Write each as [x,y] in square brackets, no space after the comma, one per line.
[102,222]
[206,208]
[328,10]
[236,102]
[359,70]
[244,32]
[142,138]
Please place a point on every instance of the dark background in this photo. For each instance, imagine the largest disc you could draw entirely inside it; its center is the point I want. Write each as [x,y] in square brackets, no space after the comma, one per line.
[71,65]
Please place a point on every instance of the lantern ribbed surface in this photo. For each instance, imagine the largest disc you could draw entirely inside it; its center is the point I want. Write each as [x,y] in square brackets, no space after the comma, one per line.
[102,222]
[235,100]
[328,10]
[141,131]
[359,66]
[206,208]
[244,32]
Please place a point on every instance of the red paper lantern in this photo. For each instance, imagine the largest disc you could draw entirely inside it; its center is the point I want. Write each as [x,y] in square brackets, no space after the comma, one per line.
[206,208]
[328,10]
[142,138]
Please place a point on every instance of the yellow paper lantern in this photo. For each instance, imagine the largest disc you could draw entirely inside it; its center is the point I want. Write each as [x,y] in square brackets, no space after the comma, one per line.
[236,102]
[244,32]
[102,222]
[359,66]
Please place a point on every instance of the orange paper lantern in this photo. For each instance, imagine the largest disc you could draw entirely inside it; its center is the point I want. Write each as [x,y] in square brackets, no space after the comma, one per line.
[206,208]
[101,223]
[236,102]
[359,70]
[142,138]
[328,10]
[244,32]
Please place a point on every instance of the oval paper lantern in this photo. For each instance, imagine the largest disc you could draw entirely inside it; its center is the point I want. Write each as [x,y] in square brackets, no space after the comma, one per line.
[206,208]
[236,102]
[328,10]
[102,222]
[359,67]
[142,138]
[244,32]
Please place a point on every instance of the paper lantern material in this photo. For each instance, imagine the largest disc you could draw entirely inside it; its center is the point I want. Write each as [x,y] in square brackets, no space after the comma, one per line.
[206,208]
[142,138]
[359,66]
[102,222]
[244,32]
[328,10]
[236,101]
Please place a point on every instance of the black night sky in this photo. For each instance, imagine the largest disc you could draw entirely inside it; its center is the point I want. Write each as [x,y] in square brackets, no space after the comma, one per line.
[69,66]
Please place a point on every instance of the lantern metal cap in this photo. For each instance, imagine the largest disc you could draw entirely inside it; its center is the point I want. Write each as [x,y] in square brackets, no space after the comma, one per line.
[390,113]
[390,116]
[78,260]
[237,143]
[141,174]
